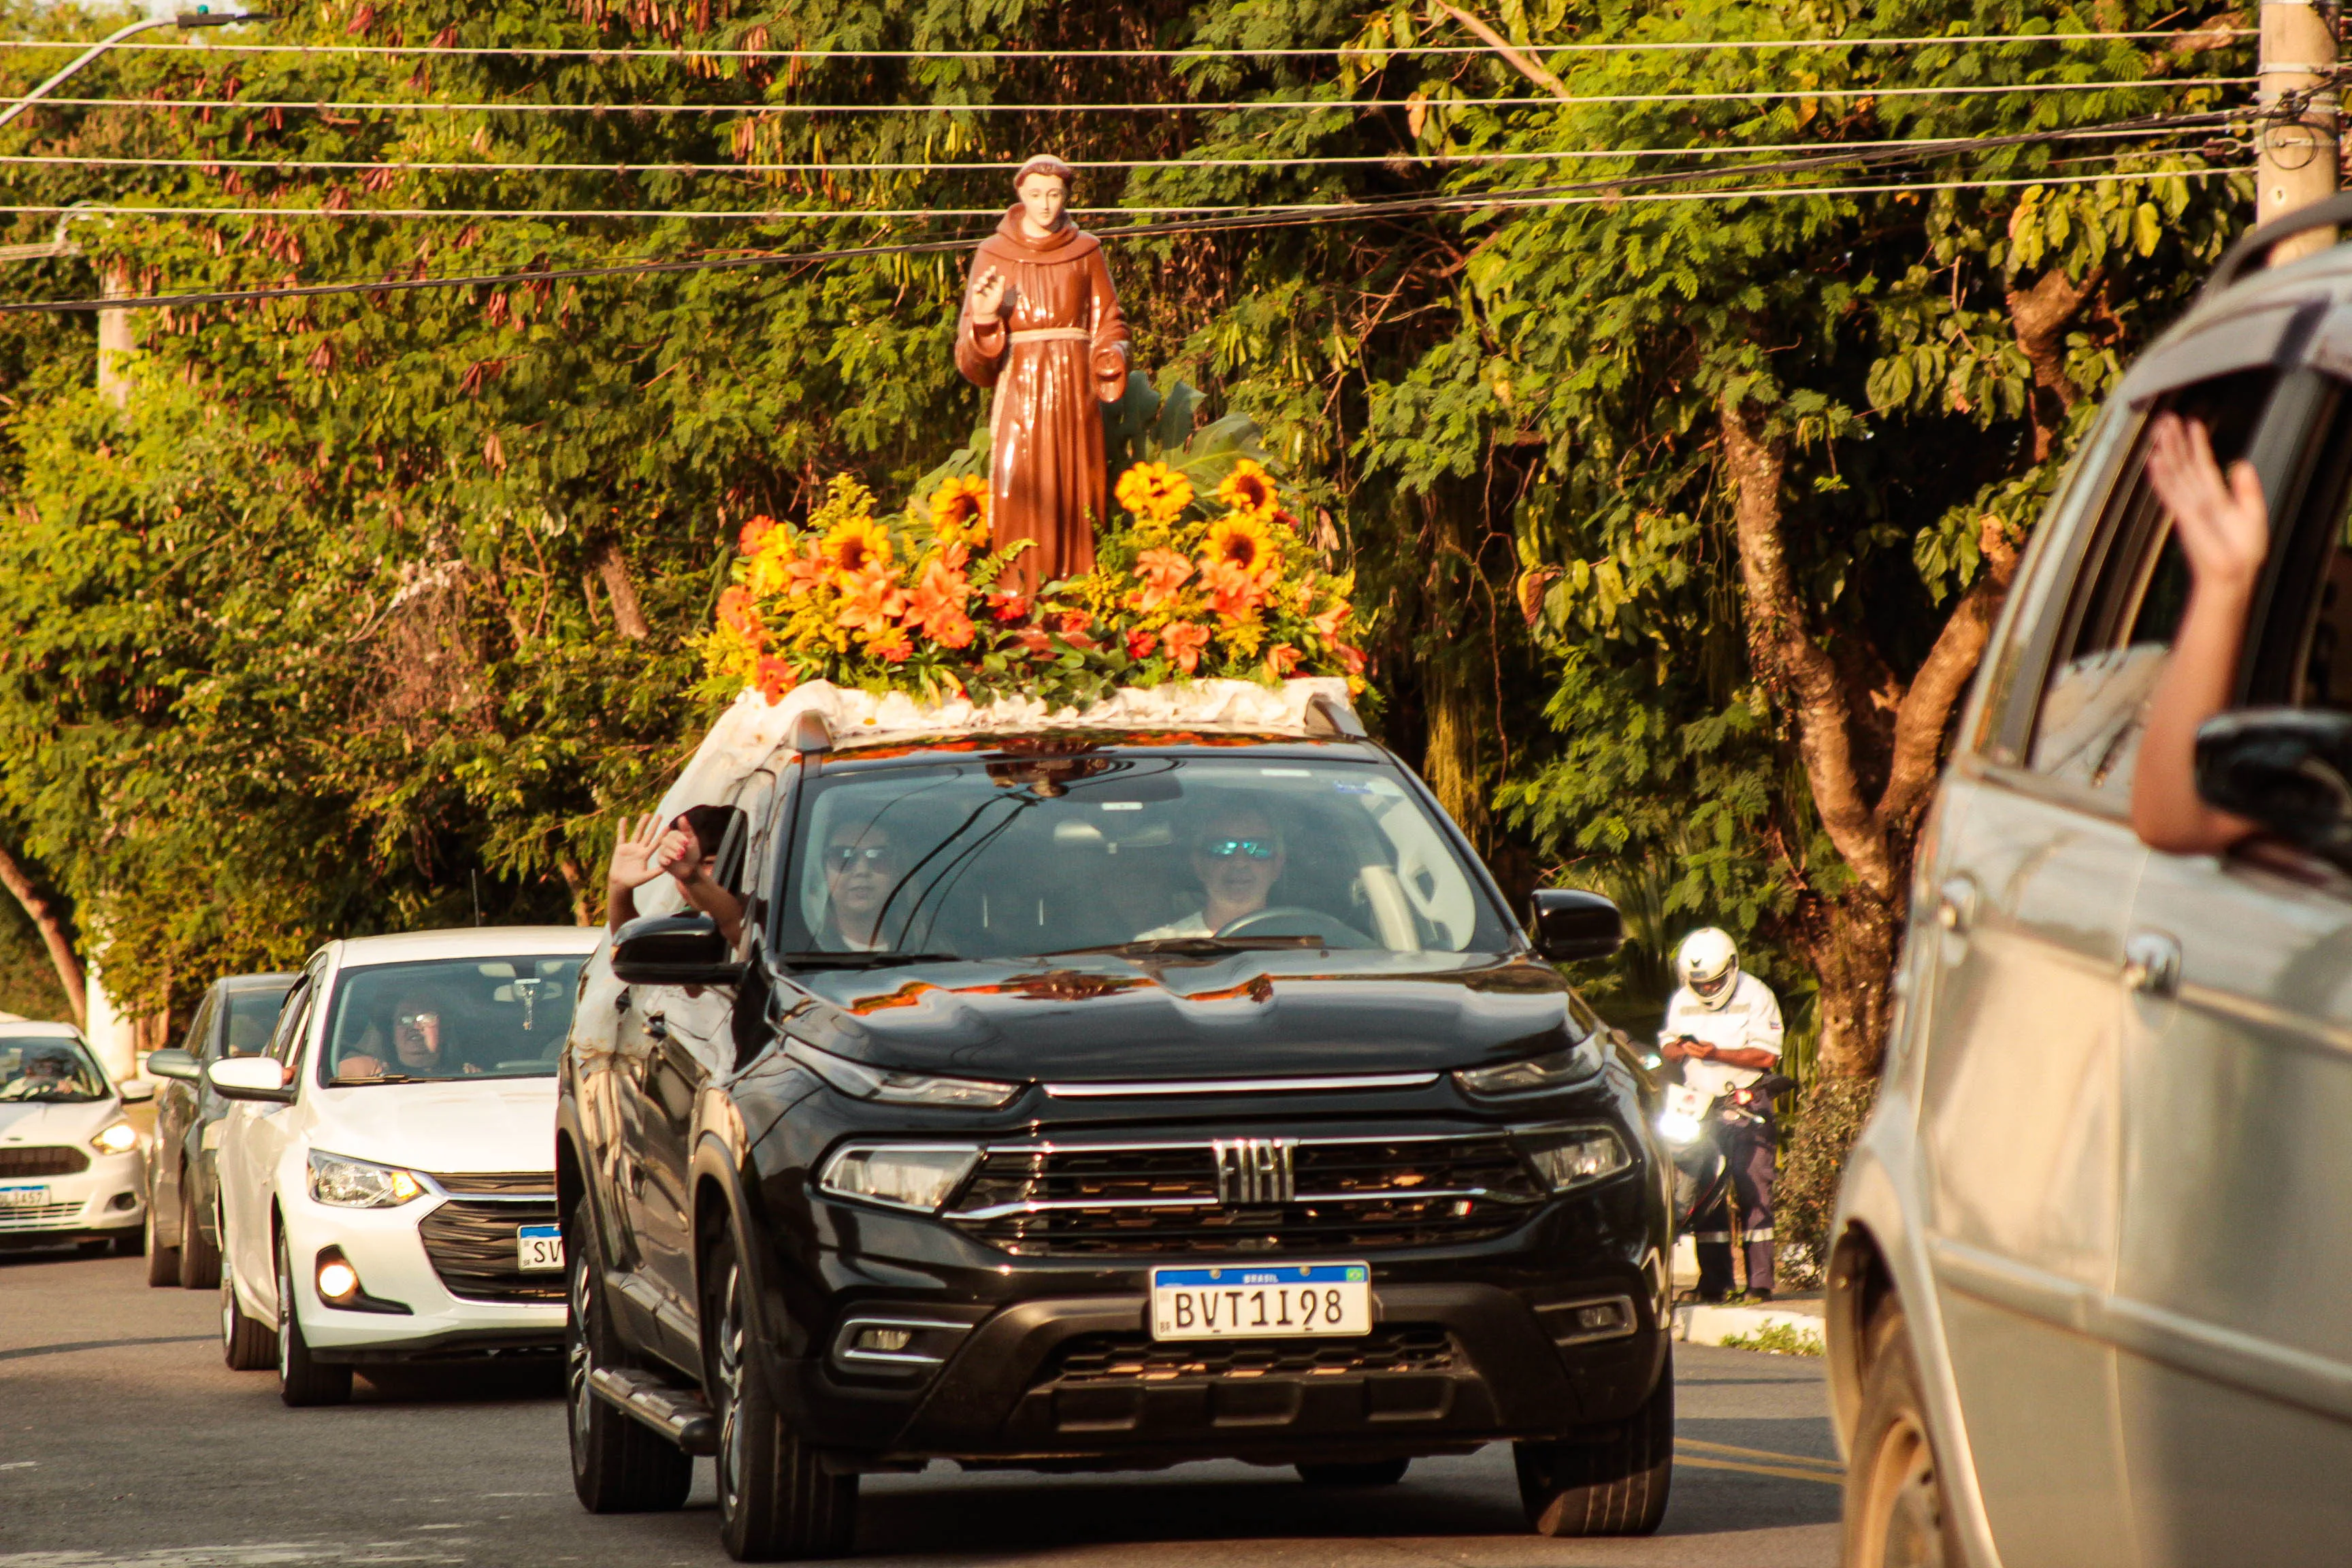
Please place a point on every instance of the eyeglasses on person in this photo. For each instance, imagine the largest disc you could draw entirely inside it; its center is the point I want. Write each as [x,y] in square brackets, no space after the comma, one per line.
[1227,849]
[841,857]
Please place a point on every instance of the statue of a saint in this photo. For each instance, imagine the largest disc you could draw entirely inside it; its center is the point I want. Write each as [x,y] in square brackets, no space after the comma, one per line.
[1041,325]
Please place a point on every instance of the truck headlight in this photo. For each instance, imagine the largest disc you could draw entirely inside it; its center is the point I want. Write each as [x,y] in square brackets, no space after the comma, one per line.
[1535,1074]
[859,1081]
[1575,1157]
[349,1183]
[908,1176]
[115,1138]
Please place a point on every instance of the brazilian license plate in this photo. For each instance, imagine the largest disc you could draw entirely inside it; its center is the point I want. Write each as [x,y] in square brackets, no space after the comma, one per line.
[24,1197]
[1261,1301]
[538,1248]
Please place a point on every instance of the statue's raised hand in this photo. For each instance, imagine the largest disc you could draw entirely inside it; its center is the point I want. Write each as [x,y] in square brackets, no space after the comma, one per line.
[987,293]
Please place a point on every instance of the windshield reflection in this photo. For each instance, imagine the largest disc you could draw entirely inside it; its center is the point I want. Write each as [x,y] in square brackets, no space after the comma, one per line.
[451,1018]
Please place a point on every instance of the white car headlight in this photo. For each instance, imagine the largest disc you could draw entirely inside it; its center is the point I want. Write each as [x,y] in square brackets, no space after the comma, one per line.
[350,1184]
[115,1138]
[908,1176]
[1535,1074]
[859,1081]
[1575,1157]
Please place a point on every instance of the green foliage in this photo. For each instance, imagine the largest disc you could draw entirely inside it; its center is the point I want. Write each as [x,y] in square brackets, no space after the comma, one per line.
[1777,1339]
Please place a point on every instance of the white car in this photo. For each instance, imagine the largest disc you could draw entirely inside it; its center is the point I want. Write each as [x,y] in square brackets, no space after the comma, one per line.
[69,1156]
[387,1175]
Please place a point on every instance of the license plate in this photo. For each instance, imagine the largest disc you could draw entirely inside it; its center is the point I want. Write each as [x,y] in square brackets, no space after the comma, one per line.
[538,1248]
[1258,1302]
[24,1197]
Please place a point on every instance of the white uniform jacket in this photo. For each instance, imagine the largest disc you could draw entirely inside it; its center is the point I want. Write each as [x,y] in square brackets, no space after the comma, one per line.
[1749,1020]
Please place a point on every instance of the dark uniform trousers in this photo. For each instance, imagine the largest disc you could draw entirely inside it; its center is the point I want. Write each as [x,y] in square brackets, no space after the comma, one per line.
[1750,1149]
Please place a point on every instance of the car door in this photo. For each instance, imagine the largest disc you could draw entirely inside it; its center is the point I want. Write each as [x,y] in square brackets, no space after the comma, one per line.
[170,1145]
[254,1140]
[2235,1398]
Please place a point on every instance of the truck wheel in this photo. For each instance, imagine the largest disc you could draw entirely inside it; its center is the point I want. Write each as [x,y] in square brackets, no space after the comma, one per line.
[1609,1479]
[245,1345]
[1370,1473]
[302,1379]
[776,1501]
[199,1258]
[162,1262]
[1895,1512]
[619,1464]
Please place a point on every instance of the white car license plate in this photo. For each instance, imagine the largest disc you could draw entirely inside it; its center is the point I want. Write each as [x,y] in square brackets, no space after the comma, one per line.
[1261,1301]
[24,1197]
[538,1248]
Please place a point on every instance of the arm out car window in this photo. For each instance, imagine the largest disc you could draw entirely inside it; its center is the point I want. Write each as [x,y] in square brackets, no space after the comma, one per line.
[2129,596]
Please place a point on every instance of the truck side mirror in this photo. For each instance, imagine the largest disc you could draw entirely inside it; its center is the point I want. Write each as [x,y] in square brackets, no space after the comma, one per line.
[674,950]
[1570,924]
[2288,769]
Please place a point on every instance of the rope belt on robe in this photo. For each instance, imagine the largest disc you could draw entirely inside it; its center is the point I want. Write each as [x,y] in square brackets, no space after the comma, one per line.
[1053,335]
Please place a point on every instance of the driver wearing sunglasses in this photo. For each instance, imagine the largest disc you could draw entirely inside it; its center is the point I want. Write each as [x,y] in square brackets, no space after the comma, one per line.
[861,867]
[1238,857]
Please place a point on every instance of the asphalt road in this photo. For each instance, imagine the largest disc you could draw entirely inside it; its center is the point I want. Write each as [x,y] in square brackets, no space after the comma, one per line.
[124,1441]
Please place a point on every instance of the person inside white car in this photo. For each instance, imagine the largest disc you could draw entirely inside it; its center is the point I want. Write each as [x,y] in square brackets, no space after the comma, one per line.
[420,1047]
[51,1071]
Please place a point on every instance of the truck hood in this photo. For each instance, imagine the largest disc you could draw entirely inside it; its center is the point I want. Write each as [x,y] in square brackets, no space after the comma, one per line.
[1099,1017]
[29,1122]
[485,1125]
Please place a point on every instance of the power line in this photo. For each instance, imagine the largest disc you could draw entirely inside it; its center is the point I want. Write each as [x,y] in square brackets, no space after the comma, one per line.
[287,165]
[1229,106]
[596,55]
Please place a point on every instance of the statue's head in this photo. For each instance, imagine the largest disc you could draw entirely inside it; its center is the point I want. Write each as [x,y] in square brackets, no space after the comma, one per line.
[1044,186]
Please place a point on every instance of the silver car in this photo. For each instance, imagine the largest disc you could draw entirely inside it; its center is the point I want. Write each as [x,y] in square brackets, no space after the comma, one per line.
[2091,1286]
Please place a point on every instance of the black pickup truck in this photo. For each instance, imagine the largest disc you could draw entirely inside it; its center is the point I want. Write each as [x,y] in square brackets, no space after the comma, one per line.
[1106,1099]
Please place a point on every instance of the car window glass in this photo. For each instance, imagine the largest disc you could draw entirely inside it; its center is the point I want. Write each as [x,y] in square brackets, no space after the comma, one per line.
[48,1070]
[744,863]
[1028,858]
[285,1041]
[448,1018]
[2129,594]
[199,1036]
[251,1013]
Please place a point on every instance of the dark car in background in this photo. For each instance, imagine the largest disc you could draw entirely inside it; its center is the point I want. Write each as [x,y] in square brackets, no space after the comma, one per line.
[183,1206]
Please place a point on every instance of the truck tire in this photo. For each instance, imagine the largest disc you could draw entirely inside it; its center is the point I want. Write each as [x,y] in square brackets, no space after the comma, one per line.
[1894,1508]
[777,1502]
[162,1262]
[247,1345]
[199,1257]
[618,1465]
[302,1380]
[1609,1479]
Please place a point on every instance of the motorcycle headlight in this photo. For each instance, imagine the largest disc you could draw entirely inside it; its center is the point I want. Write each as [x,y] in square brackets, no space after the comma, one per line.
[859,1081]
[1576,1156]
[907,1176]
[350,1184]
[115,1138]
[1678,1127]
[1534,1075]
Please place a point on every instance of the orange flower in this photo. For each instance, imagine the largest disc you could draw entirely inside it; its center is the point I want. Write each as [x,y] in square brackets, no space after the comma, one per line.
[1350,659]
[1282,658]
[804,574]
[1140,644]
[854,546]
[870,601]
[1153,491]
[1073,622]
[1234,593]
[1007,605]
[775,677]
[1241,544]
[935,607]
[1163,572]
[1249,490]
[1185,641]
[891,643]
[1327,624]
[738,613]
[959,509]
[754,532]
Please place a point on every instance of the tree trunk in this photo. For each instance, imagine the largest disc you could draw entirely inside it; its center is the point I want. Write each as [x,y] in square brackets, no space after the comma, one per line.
[1853,949]
[582,890]
[50,923]
[612,567]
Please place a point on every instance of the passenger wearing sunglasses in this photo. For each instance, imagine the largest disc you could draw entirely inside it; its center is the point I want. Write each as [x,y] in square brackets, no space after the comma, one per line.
[1238,857]
[861,867]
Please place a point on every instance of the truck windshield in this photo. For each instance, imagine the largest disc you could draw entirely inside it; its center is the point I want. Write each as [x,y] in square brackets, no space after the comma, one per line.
[448,1018]
[1064,854]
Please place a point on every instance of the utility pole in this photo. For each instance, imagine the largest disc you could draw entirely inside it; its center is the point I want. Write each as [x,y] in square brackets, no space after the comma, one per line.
[2297,152]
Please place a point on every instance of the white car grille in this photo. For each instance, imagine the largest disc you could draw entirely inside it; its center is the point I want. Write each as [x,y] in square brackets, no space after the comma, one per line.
[40,1216]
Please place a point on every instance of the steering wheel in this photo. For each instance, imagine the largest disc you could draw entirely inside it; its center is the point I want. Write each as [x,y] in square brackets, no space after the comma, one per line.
[1296,920]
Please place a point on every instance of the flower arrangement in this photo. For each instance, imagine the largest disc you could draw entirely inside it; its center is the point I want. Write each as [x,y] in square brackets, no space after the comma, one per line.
[1189,586]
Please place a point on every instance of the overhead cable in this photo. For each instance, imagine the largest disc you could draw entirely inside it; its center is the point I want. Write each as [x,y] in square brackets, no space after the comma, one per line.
[1224,107]
[1345,51]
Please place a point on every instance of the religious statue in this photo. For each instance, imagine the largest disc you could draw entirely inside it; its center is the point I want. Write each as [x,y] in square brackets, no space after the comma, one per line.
[1041,325]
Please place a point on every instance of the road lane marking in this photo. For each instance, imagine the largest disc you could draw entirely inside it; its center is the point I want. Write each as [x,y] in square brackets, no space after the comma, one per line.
[1738,1453]
[1784,1472]
[19,1465]
[101,1346]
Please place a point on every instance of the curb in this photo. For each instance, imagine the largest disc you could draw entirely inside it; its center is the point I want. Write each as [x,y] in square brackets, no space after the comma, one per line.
[1713,1325]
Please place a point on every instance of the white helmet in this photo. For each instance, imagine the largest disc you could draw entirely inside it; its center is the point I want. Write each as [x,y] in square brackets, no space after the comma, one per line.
[1707,963]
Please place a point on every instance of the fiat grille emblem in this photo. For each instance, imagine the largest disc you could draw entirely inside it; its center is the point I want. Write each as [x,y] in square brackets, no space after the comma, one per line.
[1252,1170]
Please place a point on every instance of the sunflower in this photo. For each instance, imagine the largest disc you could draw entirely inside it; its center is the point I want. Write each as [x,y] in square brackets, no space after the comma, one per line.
[857,546]
[1250,491]
[1242,546]
[959,510]
[1154,491]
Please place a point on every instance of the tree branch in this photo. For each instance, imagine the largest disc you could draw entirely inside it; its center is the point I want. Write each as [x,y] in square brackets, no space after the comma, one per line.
[1511,56]
[52,927]
[1926,710]
[612,567]
[2038,316]
[1786,654]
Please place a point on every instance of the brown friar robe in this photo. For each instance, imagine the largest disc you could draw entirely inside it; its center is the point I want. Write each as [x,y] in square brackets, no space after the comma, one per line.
[1057,349]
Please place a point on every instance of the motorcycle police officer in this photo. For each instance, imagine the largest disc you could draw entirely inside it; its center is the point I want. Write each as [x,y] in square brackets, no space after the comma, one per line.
[1724,1026]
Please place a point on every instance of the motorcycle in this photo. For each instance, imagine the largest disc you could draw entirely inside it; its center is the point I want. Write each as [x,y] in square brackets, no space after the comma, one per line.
[1689,1119]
